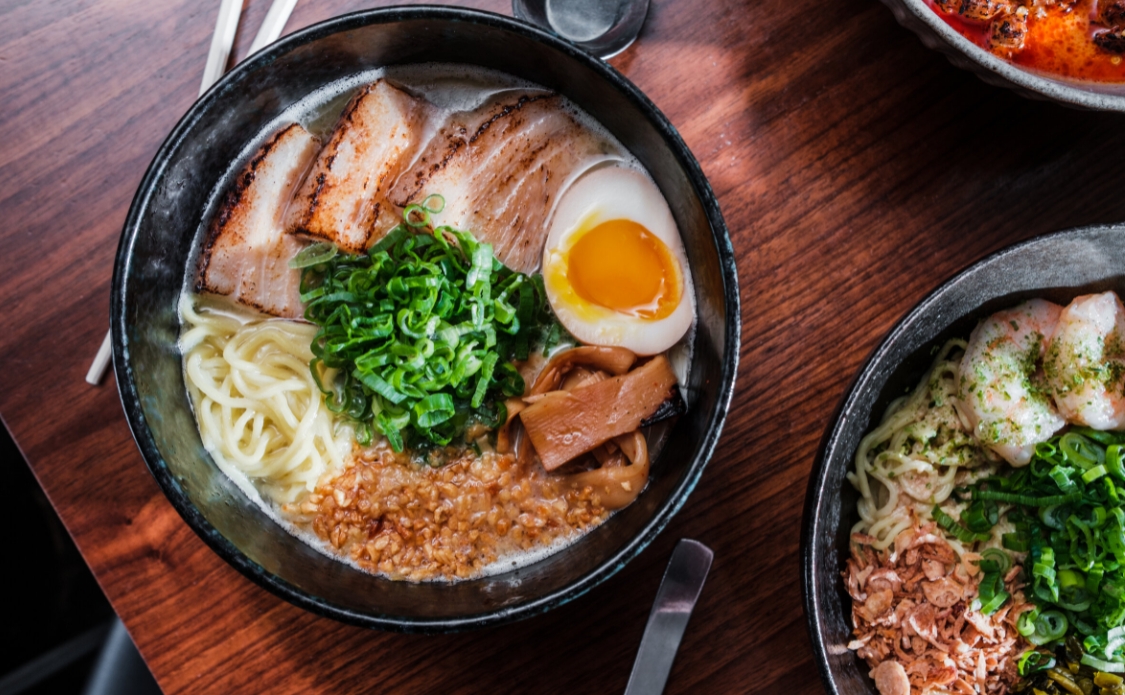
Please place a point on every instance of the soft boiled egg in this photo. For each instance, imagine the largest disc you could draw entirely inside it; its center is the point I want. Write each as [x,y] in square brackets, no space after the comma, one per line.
[614,265]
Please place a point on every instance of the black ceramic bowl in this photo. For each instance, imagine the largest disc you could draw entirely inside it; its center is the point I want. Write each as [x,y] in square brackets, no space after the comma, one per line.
[935,32]
[157,240]
[1057,267]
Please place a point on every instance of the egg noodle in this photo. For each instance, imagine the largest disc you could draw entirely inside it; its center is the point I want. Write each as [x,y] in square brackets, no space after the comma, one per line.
[910,462]
[256,402]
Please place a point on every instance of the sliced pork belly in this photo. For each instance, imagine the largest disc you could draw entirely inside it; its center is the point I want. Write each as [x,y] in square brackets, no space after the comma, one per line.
[246,254]
[344,197]
[501,168]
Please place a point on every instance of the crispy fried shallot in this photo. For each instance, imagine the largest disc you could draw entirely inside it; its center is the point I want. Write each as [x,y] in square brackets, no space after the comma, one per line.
[914,623]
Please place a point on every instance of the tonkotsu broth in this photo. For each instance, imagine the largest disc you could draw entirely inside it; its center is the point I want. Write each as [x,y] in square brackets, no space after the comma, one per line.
[451,88]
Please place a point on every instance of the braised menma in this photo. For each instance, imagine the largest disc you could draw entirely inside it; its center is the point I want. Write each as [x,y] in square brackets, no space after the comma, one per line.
[1075,39]
[990,552]
[435,337]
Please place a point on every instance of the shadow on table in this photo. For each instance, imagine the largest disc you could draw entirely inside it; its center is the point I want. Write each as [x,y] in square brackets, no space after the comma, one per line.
[60,634]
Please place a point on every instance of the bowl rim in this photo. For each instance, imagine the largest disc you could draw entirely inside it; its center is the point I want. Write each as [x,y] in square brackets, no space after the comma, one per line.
[816,491]
[131,402]
[1059,89]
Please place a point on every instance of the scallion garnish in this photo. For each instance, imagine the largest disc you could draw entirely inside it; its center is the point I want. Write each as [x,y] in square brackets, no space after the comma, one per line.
[422,330]
[1069,518]
[953,527]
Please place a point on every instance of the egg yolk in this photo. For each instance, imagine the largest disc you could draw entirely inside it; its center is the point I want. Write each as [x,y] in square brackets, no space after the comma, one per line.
[621,265]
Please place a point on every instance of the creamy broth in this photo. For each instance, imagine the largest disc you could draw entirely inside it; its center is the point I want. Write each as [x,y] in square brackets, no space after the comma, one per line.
[387,512]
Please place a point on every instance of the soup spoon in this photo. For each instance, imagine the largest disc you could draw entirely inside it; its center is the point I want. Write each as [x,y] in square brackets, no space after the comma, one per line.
[675,599]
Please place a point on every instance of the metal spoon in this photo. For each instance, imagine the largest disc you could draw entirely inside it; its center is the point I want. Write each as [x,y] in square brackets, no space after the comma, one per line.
[675,599]
[602,27]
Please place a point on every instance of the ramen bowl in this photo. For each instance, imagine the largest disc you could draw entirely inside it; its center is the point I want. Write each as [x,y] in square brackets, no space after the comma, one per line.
[157,242]
[938,35]
[1056,267]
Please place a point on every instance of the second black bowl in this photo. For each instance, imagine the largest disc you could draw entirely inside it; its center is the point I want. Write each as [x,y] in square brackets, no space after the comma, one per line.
[1056,267]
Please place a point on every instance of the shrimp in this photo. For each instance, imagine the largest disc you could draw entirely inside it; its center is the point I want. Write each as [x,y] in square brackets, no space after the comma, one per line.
[1085,362]
[1000,386]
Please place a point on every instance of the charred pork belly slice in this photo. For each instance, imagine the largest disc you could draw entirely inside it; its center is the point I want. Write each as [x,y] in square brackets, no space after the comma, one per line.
[1009,32]
[246,252]
[501,168]
[343,200]
[984,10]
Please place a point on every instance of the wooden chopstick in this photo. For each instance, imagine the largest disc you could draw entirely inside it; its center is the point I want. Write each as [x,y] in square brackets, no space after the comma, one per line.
[226,26]
[272,25]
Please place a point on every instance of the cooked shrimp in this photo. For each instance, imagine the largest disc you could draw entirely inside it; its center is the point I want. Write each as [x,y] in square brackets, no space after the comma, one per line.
[1009,409]
[1085,362]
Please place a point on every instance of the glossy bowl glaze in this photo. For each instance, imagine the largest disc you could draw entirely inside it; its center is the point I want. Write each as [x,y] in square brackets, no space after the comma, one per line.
[157,240]
[1057,267]
[935,33]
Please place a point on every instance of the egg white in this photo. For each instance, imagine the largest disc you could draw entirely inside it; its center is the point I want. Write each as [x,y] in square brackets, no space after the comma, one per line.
[604,194]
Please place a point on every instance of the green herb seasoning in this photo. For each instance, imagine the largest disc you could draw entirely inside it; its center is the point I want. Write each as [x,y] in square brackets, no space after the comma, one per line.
[1069,517]
[417,336]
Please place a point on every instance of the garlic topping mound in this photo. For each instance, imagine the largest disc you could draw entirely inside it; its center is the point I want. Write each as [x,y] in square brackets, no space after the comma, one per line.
[914,621]
[454,521]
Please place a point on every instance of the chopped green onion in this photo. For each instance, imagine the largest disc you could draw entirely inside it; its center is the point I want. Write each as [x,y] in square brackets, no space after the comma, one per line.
[1026,500]
[994,603]
[1061,475]
[416,216]
[1054,516]
[1102,665]
[1002,559]
[314,254]
[957,530]
[433,203]
[1102,437]
[1050,626]
[1033,661]
[1113,463]
[1014,542]
[1080,451]
[980,516]
[1093,474]
[419,330]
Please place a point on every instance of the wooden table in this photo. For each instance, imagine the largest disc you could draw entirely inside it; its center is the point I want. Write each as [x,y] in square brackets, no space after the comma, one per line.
[856,169]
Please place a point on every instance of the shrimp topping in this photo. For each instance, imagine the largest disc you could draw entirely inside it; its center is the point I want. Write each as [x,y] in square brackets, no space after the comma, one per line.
[1085,363]
[1001,387]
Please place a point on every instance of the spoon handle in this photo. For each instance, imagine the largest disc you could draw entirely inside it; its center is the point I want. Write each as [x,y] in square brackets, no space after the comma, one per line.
[675,599]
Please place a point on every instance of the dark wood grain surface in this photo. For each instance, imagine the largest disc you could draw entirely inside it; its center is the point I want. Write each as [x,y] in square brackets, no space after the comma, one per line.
[856,169]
